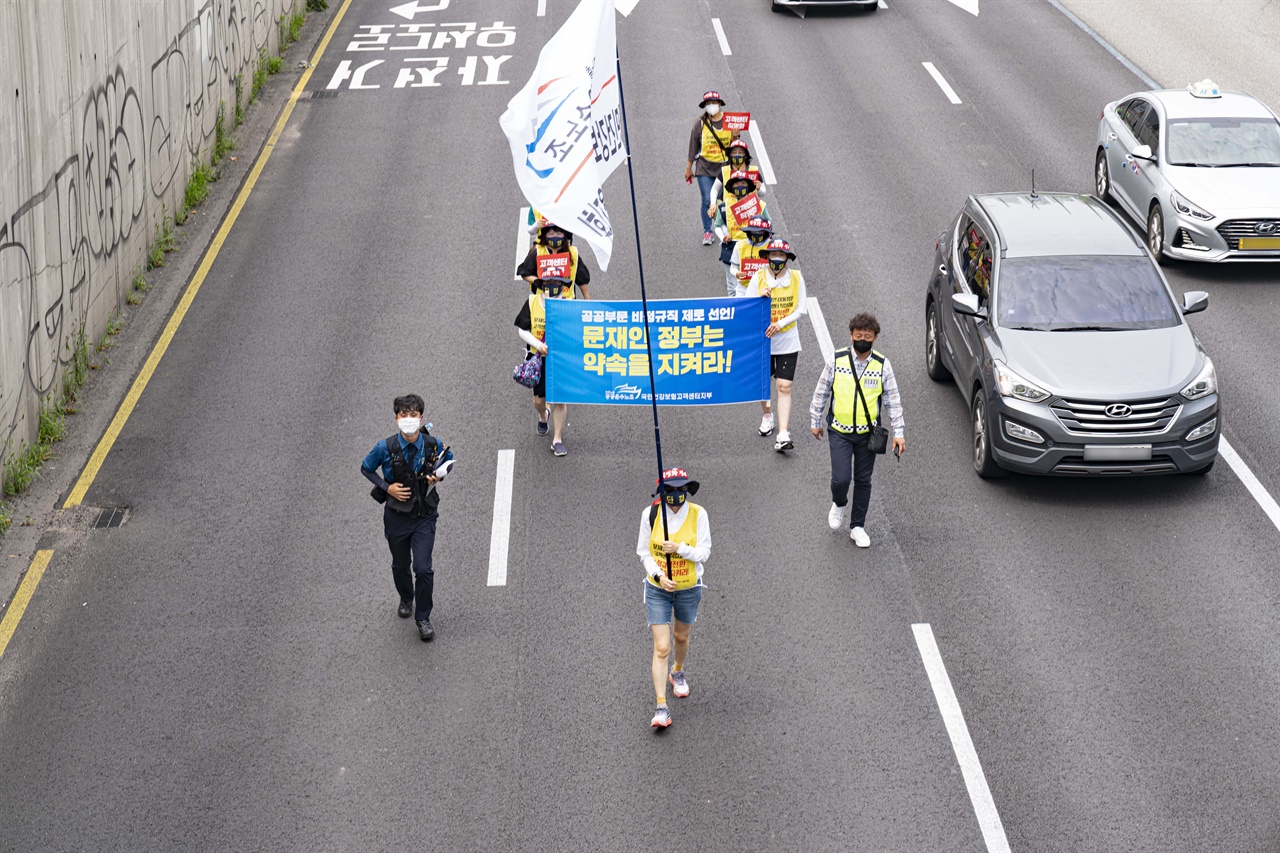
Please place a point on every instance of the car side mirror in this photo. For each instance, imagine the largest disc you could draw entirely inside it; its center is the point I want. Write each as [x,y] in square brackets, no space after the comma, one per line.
[1143,152]
[968,304]
[1194,301]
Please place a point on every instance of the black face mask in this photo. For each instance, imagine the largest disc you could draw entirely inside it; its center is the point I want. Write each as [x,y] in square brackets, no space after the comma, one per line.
[862,347]
[738,162]
[757,237]
[553,291]
[776,266]
[555,244]
[676,498]
[740,191]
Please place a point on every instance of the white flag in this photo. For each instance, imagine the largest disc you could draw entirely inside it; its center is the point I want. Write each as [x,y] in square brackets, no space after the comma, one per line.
[565,126]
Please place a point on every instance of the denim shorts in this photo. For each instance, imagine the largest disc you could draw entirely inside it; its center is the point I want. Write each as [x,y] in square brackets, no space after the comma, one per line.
[662,604]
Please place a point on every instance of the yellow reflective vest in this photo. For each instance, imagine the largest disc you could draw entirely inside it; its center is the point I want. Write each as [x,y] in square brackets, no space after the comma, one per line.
[846,411]
[683,572]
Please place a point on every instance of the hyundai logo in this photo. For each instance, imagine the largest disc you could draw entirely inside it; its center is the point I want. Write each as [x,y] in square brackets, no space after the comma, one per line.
[1118,410]
[1266,227]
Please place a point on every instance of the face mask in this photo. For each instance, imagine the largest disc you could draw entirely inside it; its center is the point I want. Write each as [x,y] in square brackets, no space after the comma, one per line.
[409,426]
[712,109]
[553,290]
[555,244]
[676,499]
[777,266]
[738,161]
[740,191]
[757,238]
[862,347]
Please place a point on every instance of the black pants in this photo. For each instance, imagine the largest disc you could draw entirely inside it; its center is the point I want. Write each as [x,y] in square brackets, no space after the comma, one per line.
[846,448]
[411,539]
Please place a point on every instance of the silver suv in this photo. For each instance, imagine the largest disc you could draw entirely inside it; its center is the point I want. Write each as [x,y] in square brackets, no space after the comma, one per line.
[1067,343]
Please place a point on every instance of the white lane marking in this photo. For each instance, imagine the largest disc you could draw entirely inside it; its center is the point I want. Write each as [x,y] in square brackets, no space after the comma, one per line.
[880,4]
[759,153]
[966,755]
[500,537]
[522,239]
[624,7]
[970,6]
[1124,60]
[820,329]
[941,81]
[542,8]
[1259,492]
[724,42]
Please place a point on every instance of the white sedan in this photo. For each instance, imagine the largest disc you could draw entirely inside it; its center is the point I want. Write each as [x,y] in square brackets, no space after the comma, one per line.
[1199,166]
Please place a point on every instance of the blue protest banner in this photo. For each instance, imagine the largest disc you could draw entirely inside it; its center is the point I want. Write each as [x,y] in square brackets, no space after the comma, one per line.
[708,352]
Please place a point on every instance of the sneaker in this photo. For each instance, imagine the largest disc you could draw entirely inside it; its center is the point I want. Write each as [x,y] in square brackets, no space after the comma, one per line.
[679,684]
[661,718]
[542,424]
[860,537]
[708,238]
[835,518]
[766,425]
[559,449]
[784,441]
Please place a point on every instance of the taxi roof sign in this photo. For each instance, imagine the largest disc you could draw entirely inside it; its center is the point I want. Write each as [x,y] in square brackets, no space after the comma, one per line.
[1206,88]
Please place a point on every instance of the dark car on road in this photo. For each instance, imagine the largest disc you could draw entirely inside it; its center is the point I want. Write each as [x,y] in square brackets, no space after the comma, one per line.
[1067,343]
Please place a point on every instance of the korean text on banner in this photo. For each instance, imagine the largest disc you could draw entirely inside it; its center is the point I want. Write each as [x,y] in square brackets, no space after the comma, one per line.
[708,352]
[750,266]
[555,266]
[746,208]
[565,126]
[737,121]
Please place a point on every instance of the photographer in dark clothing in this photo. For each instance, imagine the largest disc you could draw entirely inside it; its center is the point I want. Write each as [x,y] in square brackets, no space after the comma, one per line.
[405,469]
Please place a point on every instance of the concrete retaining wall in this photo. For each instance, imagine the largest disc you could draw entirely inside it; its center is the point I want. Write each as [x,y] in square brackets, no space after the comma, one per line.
[104,107]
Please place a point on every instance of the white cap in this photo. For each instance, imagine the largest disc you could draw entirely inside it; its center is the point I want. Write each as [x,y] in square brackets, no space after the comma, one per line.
[1206,88]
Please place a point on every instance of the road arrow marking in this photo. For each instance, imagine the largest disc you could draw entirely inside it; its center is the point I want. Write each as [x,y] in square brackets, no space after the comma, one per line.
[970,6]
[408,10]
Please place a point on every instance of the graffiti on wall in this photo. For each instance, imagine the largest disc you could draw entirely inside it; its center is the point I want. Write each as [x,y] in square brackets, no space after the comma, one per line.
[138,128]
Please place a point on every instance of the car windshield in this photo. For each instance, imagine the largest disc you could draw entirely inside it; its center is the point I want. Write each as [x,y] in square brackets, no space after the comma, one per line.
[1083,293]
[1219,142]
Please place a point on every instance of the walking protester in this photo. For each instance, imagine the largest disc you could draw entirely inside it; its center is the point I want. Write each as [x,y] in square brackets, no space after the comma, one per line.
[708,154]
[673,565]
[849,395]
[405,469]
[554,240]
[748,253]
[729,226]
[739,161]
[531,324]
[788,302]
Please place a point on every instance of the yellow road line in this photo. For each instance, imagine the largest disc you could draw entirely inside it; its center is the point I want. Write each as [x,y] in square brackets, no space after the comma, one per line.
[100,452]
[22,598]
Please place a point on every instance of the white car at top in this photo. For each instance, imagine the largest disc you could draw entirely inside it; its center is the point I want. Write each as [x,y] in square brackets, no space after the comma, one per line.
[1199,166]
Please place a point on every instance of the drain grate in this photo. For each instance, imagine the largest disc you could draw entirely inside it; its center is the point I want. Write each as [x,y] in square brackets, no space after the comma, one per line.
[323,94]
[110,517]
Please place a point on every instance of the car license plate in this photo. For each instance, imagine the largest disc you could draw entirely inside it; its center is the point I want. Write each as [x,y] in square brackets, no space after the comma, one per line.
[1260,242]
[1117,452]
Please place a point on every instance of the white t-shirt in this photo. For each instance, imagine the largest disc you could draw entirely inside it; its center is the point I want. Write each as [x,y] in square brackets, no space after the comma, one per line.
[782,343]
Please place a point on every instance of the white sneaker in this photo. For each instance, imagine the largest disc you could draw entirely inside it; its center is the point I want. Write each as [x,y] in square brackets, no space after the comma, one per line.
[766,425]
[784,441]
[835,518]
[860,537]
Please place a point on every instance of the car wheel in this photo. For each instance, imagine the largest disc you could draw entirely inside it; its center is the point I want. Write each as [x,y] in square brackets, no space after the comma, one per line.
[1102,177]
[1200,472]
[983,461]
[933,346]
[1155,232]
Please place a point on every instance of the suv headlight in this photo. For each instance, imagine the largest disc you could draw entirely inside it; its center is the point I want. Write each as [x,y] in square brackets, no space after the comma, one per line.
[1013,385]
[1205,383]
[1186,208]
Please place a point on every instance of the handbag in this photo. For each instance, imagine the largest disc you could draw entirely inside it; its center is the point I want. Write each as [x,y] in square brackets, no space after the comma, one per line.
[528,372]
[878,438]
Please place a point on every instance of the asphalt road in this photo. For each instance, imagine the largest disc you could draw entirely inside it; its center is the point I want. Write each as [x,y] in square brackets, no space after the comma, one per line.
[226,670]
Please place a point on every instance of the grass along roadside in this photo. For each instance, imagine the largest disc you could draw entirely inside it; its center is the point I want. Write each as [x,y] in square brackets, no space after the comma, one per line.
[22,467]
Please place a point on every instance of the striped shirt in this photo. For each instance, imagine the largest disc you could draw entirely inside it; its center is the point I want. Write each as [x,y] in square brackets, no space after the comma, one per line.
[891,400]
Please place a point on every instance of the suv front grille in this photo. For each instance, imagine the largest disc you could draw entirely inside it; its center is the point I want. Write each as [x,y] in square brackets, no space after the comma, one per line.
[1234,229]
[1091,418]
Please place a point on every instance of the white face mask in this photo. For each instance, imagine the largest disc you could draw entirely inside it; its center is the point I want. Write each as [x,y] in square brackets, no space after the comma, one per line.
[713,109]
[409,426]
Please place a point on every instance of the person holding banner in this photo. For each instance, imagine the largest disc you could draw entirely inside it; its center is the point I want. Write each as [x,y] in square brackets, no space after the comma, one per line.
[739,161]
[672,550]
[748,256]
[856,381]
[554,240]
[531,325]
[708,153]
[739,205]
[788,302]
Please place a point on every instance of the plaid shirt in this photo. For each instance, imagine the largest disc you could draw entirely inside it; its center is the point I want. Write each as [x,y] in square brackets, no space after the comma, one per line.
[891,399]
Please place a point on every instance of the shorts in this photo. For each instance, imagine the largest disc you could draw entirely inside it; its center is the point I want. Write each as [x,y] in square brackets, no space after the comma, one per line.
[683,603]
[540,390]
[783,365]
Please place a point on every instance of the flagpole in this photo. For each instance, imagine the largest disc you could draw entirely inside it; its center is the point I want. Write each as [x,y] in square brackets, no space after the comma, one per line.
[644,306]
